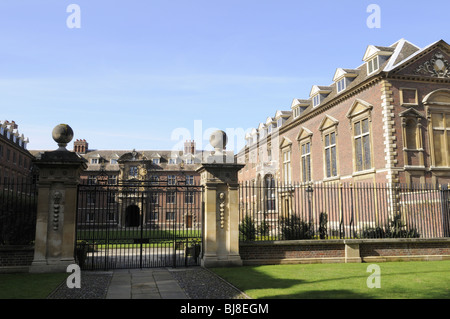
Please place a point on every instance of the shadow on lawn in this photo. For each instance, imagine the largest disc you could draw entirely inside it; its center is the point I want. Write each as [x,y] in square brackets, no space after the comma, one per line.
[250,279]
[256,280]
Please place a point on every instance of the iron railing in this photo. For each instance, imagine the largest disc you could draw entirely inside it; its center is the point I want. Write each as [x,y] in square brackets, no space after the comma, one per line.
[18,209]
[274,211]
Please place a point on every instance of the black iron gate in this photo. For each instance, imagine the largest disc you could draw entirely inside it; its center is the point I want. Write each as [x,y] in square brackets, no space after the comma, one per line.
[138,225]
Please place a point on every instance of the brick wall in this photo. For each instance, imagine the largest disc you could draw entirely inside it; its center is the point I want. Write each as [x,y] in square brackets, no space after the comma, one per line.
[330,251]
[404,249]
[305,251]
[16,256]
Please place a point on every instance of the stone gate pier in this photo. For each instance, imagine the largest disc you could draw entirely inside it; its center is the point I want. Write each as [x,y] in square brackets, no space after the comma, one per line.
[59,173]
[221,206]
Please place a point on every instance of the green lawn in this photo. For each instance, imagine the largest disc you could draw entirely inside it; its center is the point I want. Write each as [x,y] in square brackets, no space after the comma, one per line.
[405,280]
[29,286]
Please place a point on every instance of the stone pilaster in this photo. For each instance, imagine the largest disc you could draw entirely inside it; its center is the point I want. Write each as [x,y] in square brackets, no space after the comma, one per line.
[390,145]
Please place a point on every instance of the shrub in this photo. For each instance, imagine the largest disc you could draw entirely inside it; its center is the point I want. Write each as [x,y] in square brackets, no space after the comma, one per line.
[81,251]
[393,229]
[295,228]
[248,228]
[323,220]
[397,229]
[263,228]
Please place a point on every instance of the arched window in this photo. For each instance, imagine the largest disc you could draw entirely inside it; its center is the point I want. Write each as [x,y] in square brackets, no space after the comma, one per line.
[437,104]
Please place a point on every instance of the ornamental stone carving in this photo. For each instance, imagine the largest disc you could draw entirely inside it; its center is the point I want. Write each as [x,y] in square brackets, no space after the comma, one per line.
[56,209]
[222,209]
[437,66]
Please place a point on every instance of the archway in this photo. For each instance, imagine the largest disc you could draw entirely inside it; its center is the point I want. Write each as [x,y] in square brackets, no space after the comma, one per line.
[132,216]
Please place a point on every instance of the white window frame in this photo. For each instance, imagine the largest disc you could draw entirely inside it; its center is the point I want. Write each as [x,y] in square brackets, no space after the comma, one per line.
[171,179]
[305,156]
[316,100]
[341,85]
[361,136]
[287,174]
[189,179]
[279,122]
[332,157]
[371,65]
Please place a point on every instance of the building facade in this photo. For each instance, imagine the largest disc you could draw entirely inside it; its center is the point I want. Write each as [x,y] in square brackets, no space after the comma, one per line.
[15,159]
[150,188]
[385,121]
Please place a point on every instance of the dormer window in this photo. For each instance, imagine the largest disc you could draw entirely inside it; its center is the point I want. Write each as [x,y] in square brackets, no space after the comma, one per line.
[343,77]
[372,65]
[171,161]
[279,122]
[316,100]
[155,161]
[281,117]
[375,56]
[298,106]
[94,160]
[318,93]
[341,85]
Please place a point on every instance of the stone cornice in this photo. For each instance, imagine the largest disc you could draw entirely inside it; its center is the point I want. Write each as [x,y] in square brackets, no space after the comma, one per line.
[339,99]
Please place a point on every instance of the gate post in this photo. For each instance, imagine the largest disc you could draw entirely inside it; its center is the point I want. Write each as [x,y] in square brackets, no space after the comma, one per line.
[59,173]
[221,215]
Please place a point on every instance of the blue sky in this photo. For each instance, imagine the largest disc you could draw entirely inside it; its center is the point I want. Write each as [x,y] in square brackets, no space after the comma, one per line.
[138,72]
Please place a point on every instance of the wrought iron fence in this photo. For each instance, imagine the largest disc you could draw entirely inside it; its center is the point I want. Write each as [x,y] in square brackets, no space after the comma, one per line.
[272,211]
[138,224]
[18,208]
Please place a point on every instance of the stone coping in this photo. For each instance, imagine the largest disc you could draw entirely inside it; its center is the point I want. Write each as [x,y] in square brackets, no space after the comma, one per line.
[16,247]
[346,241]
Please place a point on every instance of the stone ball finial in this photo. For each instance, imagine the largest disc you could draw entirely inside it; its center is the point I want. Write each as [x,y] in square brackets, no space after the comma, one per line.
[218,140]
[62,134]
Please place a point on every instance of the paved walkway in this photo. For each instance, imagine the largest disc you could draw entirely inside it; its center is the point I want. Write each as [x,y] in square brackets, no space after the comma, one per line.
[156,283]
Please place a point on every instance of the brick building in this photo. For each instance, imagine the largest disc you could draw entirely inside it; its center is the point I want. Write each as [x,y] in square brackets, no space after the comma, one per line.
[112,166]
[15,159]
[119,199]
[384,121]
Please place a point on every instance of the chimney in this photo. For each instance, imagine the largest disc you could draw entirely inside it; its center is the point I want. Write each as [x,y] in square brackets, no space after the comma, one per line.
[80,146]
[189,147]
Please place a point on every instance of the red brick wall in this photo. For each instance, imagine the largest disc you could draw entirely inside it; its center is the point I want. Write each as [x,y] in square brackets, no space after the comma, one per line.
[334,250]
[271,251]
[11,256]
[404,249]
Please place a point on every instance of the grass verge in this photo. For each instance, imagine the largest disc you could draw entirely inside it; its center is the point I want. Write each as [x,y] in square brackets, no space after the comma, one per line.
[398,280]
[29,286]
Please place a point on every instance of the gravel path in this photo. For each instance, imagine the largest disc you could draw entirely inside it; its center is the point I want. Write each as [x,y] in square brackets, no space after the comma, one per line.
[198,283]
[201,283]
[94,285]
